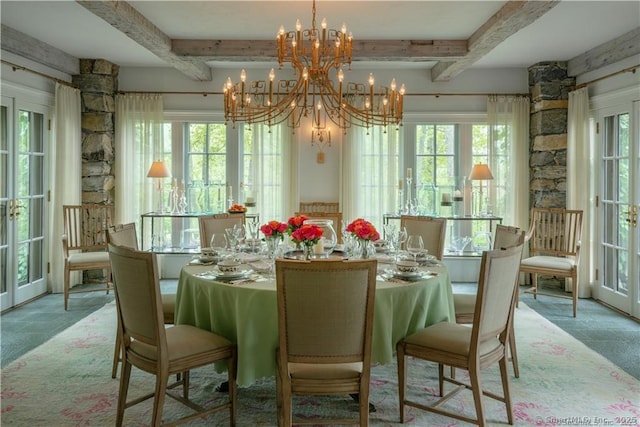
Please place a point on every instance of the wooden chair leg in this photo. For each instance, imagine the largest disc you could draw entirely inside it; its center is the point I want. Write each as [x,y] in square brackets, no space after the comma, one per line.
[116,354]
[514,353]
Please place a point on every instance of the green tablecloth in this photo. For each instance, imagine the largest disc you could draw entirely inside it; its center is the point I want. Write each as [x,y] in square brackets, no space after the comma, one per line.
[247,315]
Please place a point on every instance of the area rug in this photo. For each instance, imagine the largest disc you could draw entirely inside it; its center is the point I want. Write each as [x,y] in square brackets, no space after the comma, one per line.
[67,382]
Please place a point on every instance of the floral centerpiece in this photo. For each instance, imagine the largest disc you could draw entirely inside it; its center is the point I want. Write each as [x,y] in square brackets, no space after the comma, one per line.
[273,233]
[274,229]
[307,235]
[364,232]
[296,222]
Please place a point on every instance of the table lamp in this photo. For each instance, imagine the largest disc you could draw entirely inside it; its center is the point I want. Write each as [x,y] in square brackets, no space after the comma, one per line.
[480,172]
[159,170]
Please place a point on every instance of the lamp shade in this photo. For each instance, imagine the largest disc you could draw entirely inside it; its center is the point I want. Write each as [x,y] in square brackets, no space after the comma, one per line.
[158,169]
[480,171]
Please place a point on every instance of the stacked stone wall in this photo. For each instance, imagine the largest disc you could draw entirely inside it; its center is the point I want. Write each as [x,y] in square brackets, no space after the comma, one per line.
[549,86]
[98,82]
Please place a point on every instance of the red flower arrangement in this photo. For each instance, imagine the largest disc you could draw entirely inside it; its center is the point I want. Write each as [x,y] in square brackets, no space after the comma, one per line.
[296,222]
[274,229]
[363,230]
[307,234]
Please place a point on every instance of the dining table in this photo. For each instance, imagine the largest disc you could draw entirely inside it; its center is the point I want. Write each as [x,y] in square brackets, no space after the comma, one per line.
[245,312]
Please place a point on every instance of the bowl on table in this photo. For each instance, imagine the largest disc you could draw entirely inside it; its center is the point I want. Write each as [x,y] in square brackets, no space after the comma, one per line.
[407,266]
[229,266]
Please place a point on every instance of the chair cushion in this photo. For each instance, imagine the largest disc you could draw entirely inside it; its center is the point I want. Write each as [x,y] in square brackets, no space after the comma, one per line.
[183,341]
[464,303]
[551,262]
[325,371]
[449,337]
[88,257]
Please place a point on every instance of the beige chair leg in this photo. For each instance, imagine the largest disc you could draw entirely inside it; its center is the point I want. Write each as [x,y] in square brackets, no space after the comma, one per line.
[116,354]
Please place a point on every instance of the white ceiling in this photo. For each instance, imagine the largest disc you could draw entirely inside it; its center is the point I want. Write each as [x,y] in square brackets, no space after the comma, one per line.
[566,31]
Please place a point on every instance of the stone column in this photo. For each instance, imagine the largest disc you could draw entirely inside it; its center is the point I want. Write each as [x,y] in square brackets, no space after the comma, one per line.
[98,81]
[549,86]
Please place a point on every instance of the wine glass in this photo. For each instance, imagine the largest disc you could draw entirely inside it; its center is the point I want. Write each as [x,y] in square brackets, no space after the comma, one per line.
[218,243]
[415,245]
[399,238]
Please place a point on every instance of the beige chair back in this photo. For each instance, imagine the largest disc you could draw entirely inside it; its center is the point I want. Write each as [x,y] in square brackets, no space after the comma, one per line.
[85,226]
[433,231]
[314,207]
[135,276]
[496,295]
[216,224]
[336,217]
[507,236]
[123,235]
[555,232]
[325,324]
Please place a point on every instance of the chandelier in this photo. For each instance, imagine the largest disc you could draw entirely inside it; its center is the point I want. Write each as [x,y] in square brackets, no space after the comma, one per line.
[314,54]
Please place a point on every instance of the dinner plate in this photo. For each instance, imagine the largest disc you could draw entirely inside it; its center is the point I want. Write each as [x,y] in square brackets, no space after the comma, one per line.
[231,274]
[409,275]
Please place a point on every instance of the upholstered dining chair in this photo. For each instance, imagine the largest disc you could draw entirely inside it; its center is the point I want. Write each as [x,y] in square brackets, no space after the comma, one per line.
[336,217]
[216,224]
[554,239]
[161,352]
[464,303]
[314,207]
[432,230]
[471,348]
[325,322]
[84,244]
[125,235]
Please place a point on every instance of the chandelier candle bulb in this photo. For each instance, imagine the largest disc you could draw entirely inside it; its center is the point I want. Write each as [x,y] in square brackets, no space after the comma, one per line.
[409,173]
[399,184]
[446,197]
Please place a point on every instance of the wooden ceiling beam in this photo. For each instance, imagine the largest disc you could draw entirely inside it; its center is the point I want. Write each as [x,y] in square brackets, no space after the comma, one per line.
[618,49]
[511,18]
[363,50]
[126,18]
[26,46]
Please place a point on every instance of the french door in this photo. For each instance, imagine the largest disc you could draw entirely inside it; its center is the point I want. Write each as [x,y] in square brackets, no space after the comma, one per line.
[23,205]
[618,211]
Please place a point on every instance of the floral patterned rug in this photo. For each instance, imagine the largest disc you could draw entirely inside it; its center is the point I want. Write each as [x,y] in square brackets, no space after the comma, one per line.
[67,382]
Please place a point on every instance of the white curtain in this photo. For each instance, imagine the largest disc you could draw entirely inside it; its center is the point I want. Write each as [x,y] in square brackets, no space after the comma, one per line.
[370,173]
[65,175]
[273,150]
[508,120]
[579,180]
[138,143]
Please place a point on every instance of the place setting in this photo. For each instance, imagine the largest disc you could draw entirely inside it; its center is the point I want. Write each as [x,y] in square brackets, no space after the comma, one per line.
[406,271]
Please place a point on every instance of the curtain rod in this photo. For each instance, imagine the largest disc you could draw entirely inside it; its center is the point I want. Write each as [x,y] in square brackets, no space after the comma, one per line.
[625,70]
[436,94]
[17,67]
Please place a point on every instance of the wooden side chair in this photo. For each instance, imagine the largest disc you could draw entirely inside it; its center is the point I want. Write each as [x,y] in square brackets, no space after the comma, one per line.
[471,348]
[161,352]
[125,235]
[84,244]
[464,304]
[325,324]
[314,207]
[336,217]
[216,224]
[554,239]
[433,231]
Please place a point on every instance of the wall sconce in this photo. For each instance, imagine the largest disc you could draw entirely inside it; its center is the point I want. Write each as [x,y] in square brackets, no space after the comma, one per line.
[321,137]
[159,170]
[480,172]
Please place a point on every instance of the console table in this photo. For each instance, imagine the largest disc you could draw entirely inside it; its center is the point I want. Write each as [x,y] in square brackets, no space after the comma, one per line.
[153,216]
